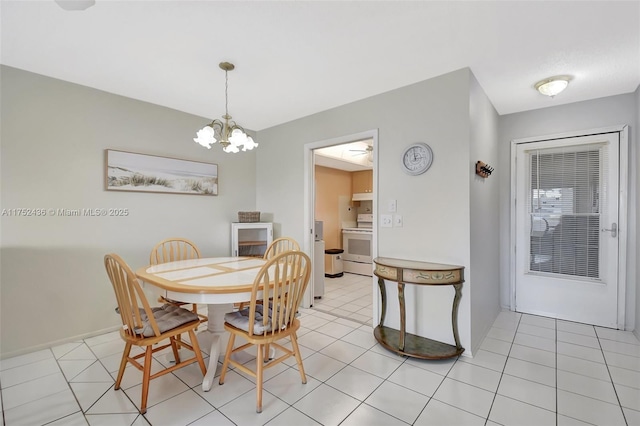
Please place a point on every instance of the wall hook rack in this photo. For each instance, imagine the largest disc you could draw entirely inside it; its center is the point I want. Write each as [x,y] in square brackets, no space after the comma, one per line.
[483,169]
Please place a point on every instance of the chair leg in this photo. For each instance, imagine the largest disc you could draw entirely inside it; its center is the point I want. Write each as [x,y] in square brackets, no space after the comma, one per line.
[123,364]
[145,379]
[174,347]
[227,356]
[266,353]
[196,349]
[259,372]
[296,352]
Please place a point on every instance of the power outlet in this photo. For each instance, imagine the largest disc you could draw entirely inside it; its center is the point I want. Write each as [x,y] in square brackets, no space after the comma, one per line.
[386,221]
[397,221]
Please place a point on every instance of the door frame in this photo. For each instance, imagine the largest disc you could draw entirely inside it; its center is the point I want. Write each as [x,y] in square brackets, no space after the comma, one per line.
[310,192]
[623,177]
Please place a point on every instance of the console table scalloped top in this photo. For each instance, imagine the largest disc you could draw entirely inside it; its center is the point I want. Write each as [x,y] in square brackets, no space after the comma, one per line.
[415,272]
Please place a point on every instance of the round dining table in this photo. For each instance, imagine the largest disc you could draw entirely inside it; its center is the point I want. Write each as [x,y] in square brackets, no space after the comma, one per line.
[218,282]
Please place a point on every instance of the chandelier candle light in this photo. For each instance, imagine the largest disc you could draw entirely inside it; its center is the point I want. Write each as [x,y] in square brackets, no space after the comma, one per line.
[232,137]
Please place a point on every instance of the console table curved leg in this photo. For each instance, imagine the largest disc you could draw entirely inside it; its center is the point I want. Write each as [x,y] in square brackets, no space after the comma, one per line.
[403,319]
[454,314]
[383,295]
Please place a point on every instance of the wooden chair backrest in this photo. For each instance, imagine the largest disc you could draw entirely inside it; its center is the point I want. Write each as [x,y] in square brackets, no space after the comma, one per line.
[288,275]
[280,245]
[129,294]
[173,249]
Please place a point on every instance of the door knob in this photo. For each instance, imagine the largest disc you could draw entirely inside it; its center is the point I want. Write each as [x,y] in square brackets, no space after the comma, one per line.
[613,230]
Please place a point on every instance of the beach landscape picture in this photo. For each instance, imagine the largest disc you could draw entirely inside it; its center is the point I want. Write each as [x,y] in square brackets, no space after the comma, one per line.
[129,171]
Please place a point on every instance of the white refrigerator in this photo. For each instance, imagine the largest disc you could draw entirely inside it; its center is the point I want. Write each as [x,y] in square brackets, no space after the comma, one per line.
[318,262]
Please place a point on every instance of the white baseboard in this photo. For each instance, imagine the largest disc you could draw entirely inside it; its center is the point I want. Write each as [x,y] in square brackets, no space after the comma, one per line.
[58,342]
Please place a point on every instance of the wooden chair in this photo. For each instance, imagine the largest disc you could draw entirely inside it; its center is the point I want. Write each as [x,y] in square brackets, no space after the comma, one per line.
[145,326]
[277,246]
[287,274]
[280,245]
[170,250]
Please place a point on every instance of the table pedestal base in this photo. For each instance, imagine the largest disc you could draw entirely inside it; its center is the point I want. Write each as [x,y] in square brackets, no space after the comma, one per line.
[214,337]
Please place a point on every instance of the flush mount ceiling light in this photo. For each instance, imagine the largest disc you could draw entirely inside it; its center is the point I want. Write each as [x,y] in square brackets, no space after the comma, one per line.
[553,85]
[232,137]
[75,4]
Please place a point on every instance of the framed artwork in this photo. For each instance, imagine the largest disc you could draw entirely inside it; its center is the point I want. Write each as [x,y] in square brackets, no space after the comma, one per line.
[130,171]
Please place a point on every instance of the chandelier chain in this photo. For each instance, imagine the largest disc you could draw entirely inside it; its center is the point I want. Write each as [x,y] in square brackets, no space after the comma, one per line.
[226,92]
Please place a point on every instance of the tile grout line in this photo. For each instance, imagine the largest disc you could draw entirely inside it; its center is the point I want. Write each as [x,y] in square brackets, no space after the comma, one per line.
[360,403]
[69,380]
[504,367]
[372,392]
[556,366]
[615,390]
[335,320]
[321,382]
[38,378]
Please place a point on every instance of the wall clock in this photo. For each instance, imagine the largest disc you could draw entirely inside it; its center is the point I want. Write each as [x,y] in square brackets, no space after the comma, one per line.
[417,159]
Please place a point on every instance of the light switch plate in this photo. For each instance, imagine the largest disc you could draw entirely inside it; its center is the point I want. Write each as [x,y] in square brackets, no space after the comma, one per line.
[392,206]
[386,221]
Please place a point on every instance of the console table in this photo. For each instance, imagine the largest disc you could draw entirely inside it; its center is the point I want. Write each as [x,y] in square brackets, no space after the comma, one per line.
[418,273]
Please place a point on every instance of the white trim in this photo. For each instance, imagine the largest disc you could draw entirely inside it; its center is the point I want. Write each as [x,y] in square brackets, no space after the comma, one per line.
[623,131]
[623,225]
[573,134]
[309,195]
[512,229]
[59,342]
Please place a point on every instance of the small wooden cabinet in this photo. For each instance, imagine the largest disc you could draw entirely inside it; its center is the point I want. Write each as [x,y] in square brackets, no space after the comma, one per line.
[362,181]
[250,239]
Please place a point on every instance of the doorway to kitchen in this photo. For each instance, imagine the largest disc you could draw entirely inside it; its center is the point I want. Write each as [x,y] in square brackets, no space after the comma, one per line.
[340,196]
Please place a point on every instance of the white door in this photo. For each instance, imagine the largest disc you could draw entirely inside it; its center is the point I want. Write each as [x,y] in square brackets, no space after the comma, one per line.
[567,193]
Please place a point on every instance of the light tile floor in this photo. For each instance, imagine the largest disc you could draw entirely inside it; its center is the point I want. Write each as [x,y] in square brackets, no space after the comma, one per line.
[349,296]
[528,371]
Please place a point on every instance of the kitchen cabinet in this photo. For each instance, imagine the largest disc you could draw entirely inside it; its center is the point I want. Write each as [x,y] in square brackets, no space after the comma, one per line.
[362,181]
[250,239]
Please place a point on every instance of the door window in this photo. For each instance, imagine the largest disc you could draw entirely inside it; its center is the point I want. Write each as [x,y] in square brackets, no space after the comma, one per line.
[565,188]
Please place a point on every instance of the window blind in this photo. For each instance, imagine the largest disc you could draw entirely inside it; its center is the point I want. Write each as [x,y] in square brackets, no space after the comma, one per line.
[566,191]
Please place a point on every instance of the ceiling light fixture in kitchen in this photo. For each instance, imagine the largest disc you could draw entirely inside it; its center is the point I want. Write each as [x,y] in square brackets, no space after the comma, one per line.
[553,85]
[368,150]
[232,137]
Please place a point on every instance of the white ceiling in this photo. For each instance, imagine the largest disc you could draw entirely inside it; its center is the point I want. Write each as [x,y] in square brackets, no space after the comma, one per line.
[350,157]
[297,58]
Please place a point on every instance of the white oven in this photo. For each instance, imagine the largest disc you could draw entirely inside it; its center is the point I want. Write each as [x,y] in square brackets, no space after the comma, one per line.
[357,245]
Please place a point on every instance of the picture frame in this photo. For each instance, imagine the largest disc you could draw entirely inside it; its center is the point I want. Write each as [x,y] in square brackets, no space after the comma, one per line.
[132,171]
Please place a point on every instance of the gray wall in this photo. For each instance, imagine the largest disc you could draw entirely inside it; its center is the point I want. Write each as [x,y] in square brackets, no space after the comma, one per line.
[483,214]
[53,283]
[52,156]
[435,206]
[603,112]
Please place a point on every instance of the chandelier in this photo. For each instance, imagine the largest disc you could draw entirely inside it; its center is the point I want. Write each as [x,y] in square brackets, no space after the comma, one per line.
[231,136]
